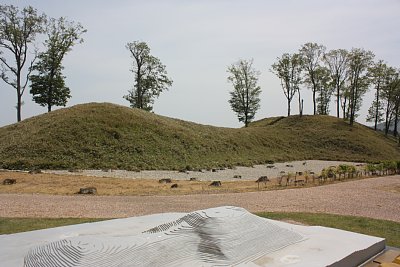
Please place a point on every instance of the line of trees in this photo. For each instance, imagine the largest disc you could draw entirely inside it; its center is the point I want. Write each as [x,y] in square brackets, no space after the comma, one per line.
[347,75]
[18,32]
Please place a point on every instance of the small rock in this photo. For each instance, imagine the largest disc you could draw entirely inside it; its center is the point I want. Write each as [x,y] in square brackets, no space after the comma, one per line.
[237,176]
[88,191]
[262,179]
[174,186]
[9,181]
[165,181]
[216,183]
[289,165]
[193,179]
[214,170]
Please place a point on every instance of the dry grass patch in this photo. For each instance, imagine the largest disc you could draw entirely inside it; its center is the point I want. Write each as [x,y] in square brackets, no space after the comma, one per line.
[54,184]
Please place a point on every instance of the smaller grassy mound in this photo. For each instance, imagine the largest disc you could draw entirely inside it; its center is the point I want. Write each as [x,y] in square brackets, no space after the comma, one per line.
[381,228]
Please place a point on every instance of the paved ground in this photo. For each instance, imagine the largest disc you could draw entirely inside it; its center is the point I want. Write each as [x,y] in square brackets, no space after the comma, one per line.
[374,197]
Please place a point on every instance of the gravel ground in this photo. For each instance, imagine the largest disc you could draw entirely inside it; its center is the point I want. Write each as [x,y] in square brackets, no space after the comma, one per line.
[247,173]
[374,197]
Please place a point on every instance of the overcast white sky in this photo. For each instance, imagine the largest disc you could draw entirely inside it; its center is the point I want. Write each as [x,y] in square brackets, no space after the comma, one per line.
[197,40]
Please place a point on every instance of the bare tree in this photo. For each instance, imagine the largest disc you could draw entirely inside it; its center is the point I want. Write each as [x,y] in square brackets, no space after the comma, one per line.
[18,30]
[288,69]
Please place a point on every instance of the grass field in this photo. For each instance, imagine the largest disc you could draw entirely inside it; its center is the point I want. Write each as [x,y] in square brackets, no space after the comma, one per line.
[108,136]
[381,228]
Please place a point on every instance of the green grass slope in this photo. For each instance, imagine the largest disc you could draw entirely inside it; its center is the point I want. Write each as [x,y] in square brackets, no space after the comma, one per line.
[103,135]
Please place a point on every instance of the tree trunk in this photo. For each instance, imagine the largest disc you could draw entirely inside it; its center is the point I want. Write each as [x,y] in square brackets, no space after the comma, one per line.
[288,108]
[395,120]
[315,103]
[377,107]
[19,105]
[300,104]
[338,101]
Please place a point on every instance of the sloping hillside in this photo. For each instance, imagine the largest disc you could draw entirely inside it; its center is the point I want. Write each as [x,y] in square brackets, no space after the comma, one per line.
[102,135]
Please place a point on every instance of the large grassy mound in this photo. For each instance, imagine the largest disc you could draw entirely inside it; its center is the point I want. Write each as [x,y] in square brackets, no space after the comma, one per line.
[110,136]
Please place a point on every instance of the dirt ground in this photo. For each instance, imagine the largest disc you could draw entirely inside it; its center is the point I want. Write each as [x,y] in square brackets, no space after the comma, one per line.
[373,197]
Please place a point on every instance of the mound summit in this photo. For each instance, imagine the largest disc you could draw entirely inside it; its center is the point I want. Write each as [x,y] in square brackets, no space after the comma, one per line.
[104,135]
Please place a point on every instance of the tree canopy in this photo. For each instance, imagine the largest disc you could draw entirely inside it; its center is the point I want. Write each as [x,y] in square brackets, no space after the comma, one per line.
[245,97]
[18,29]
[48,85]
[150,77]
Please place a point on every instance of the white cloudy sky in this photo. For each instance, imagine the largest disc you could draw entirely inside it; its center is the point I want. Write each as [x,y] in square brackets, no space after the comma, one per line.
[198,39]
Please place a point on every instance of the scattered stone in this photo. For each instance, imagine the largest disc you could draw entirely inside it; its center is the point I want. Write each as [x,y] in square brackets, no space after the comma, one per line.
[9,181]
[174,186]
[214,170]
[74,170]
[184,171]
[193,179]
[200,170]
[289,165]
[270,166]
[237,176]
[216,183]
[88,191]
[165,181]
[35,171]
[263,179]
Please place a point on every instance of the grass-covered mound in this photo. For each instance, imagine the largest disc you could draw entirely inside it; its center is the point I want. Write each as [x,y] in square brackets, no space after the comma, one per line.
[103,135]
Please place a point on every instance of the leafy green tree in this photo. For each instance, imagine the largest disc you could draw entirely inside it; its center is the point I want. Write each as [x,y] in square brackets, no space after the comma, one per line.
[390,94]
[311,54]
[324,89]
[337,62]
[245,100]
[150,77]
[48,85]
[288,68]
[359,62]
[377,73]
[18,29]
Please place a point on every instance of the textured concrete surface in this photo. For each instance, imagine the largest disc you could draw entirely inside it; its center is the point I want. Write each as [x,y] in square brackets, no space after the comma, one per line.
[223,236]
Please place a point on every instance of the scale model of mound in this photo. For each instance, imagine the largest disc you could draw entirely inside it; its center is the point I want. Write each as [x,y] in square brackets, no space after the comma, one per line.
[221,236]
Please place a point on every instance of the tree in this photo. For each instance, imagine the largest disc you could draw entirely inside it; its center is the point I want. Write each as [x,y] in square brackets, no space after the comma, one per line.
[336,61]
[48,86]
[323,83]
[18,30]
[311,54]
[245,100]
[377,73]
[359,62]
[150,77]
[391,96]
[288,69]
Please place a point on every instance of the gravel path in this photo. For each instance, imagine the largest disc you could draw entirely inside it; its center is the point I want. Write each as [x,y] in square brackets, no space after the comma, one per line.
[372,197]
[246,173]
